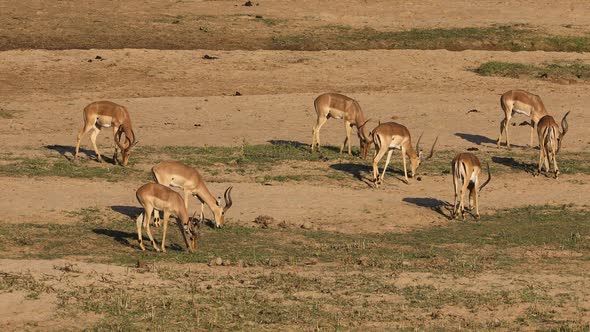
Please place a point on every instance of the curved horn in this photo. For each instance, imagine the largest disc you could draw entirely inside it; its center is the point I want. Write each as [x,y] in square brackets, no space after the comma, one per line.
[432,149]
[564,125]
[227,197]
[364,123]
[118,139]
[134,138]
[418,143]
[488,180]
[193,217]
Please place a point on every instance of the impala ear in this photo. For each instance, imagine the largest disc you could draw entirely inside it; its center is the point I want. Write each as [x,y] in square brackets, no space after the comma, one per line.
[219,201]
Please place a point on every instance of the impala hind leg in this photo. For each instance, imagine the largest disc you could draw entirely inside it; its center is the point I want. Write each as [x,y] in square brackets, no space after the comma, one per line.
[316,133]
[376,160]
[81,134]
[475,194]
[146,224]
[462,197]
[93,139]
[139,221]
[456,187]
[389,153]
[554,157]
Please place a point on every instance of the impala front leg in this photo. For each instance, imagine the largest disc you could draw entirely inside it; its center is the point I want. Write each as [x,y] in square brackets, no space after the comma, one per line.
[405,167]
[165,229]
[532,132]
[117,138]
[348,130]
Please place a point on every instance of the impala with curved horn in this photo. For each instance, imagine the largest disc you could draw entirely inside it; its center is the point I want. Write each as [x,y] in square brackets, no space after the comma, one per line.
[104,114]
[389,136]
[177,174]
[466,169]
[156,197]
[522,102]
[338,106]
[550,139]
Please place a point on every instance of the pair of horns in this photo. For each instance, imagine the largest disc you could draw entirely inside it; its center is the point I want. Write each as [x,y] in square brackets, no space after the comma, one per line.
[431,149]
[227,198]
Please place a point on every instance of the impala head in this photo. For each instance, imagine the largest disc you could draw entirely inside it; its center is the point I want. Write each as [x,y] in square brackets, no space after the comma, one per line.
[126,149]
[365,140]
[219,212]
[564,128]
[420,155]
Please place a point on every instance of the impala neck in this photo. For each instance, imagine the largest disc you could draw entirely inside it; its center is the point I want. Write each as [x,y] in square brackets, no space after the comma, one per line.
[205,195]
[360,120]
[183,216]
[411,152]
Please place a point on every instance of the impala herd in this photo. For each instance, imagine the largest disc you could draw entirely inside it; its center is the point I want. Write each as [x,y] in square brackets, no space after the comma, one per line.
[386,137]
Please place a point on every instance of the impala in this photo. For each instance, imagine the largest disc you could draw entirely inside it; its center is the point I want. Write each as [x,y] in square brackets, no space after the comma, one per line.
[550,139]
[389,136]
[522,102]
[157,197]
[176,174]
[466,169]
[337,106]
[104,114]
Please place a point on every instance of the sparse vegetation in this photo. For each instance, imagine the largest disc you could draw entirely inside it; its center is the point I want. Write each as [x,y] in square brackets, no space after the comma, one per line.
[7,114]
[557,71]
[343,273]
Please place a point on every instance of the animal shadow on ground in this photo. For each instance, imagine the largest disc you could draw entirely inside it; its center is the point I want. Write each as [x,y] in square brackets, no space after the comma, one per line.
[129,211]
[356,170]
[480,140]
[515,164]
[303,146]
[123,238]
[296,144]
[63,150]
[434,204]
[119,236]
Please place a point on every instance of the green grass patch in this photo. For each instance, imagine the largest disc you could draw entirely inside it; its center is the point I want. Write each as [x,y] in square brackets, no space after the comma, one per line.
[8,114]
[63,168]
[505,37]
[551,71]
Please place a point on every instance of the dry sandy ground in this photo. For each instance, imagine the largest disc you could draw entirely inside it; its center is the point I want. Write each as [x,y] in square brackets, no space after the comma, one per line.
[428,91]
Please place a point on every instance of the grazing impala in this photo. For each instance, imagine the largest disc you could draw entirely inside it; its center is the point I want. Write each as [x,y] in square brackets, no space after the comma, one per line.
[157,197]
[176,174]
[104,114]
[342,107]
[466,169]
[522,102]
[550,139]
[390,135]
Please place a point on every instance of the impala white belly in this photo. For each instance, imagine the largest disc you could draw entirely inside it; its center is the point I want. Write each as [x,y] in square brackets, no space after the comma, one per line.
[473,177]
[516,110]
[104,121]
[392,145]
[336,114]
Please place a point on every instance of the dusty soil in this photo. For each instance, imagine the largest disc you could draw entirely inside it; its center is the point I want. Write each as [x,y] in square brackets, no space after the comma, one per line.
[428,91]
